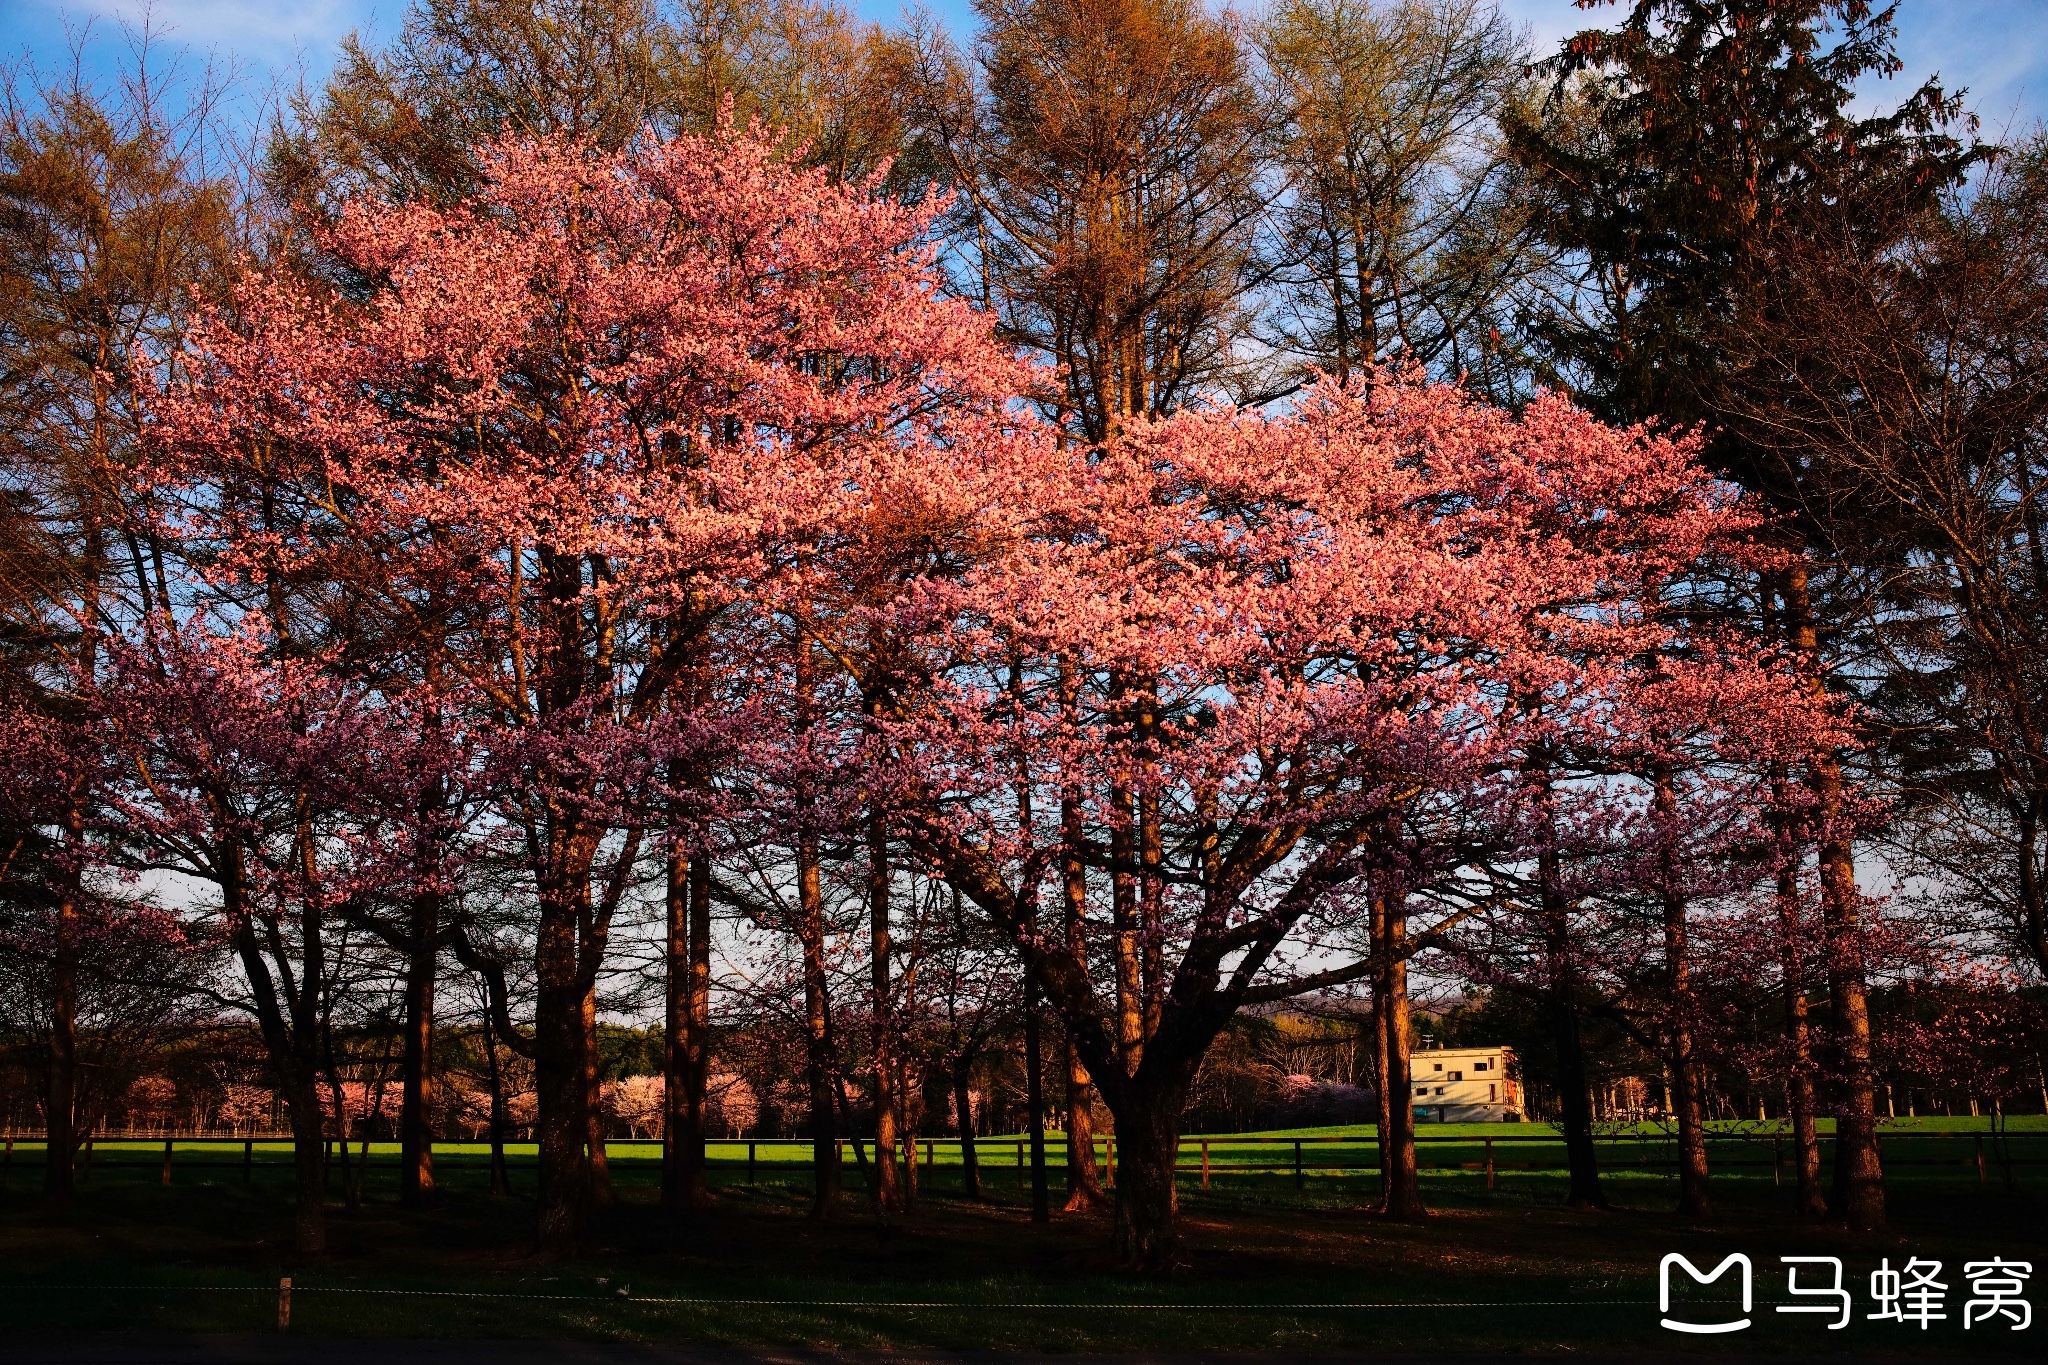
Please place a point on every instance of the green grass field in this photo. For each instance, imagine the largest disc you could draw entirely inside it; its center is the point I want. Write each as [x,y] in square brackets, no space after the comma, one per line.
[1268,1264]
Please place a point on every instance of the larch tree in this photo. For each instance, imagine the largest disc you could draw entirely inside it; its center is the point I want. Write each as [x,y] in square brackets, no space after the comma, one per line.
[1109,161]
[116,210]
[1401,230]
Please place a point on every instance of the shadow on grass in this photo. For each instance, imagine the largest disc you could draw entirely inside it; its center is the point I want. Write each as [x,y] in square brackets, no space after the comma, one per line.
[1266,1267]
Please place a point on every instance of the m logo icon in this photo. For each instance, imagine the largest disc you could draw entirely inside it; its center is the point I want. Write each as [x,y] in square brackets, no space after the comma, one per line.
[1703,1328]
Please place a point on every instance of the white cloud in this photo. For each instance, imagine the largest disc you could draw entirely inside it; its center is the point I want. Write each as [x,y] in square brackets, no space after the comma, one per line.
[264,32]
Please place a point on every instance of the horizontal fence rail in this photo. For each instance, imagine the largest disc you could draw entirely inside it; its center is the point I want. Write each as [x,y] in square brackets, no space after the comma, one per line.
[1524,1149]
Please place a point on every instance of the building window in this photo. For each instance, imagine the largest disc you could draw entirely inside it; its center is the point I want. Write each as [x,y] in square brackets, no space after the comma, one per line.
[1491,1094]
[1456,1076]
[1439,1090]
[1439,1066]
[1479,1066]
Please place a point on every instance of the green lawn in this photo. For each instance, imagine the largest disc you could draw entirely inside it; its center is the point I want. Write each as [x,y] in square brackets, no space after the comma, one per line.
[1263,1258]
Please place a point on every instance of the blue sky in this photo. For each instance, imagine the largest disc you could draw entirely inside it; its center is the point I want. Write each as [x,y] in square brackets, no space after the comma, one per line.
[1997,48]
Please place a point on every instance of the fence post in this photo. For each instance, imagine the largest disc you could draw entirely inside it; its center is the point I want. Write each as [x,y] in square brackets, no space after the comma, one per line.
[1297,1163]
[167,1163]
[1489,1163]
[1205,1163]
[248,1158]
[1777,1161]
[1980,1158]
[284,1304]
[750,1163]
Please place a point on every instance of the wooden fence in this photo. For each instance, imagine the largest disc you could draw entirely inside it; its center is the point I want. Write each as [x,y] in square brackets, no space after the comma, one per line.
[1525,1149]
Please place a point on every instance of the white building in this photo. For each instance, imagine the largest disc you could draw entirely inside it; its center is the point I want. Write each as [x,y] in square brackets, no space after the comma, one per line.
[1465,1085]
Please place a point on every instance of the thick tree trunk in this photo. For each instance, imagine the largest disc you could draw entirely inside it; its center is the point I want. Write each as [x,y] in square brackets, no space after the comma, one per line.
[890,1190]
[1400,1190]
[1148,1145]
[1694,1200]
[309,1164]
[560,1083]
[415,1134]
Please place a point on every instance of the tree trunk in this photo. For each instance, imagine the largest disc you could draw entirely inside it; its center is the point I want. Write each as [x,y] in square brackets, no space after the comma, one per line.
[60,1073]
[1148,1145]
[415,1135]
[563,1133]
[818,1060]
[963,1119]
[675,1175]
[1694,1200]
[309,1152]
[1084,1179]
[1859,1174]
[1400,1191]
[501,1179]
[1574,1098]
[908,1127]
[594,1124]
[697,1039]
[1130,991]
[1151,868]
[291,1041]
[891,1191]
[1034,1096]
[1807,1195]
[1084,1183]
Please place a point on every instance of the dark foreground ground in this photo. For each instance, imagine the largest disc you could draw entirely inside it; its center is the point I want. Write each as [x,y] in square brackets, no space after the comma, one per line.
[138,1273]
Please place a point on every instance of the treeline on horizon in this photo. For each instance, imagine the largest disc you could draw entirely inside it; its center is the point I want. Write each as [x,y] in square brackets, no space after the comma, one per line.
[965,575]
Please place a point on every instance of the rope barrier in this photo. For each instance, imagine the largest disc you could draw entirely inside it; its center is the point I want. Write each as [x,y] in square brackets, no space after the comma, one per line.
[931,1304]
